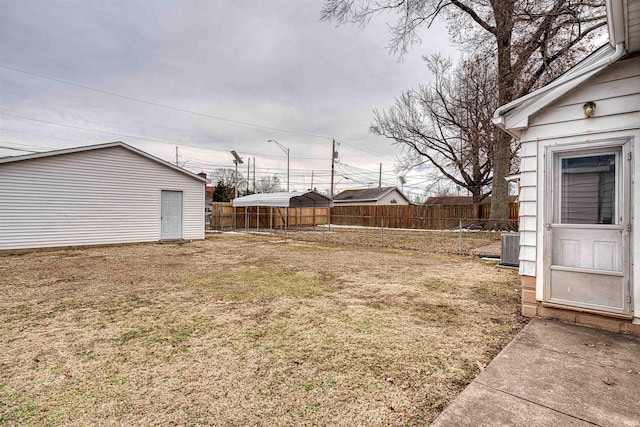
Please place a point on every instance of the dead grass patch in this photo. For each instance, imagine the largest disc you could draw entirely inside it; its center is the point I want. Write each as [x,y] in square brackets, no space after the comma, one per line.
[237,330]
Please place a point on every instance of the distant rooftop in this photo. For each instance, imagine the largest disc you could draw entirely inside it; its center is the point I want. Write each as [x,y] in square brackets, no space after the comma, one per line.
[364,194]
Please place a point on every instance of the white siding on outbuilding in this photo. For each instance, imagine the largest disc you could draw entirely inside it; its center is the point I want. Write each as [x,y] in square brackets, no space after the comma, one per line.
[109,194]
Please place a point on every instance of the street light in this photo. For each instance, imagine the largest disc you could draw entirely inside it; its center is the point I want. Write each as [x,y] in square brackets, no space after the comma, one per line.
[237,160]
[286,150]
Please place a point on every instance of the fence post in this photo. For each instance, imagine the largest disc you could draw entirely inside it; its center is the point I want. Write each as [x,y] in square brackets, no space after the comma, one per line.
[382,230]
[460,238]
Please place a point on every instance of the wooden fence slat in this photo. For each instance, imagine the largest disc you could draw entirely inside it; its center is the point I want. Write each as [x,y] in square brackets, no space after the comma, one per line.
[412,216]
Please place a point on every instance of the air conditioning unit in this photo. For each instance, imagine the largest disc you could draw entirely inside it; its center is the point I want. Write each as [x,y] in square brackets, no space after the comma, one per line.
[510,249]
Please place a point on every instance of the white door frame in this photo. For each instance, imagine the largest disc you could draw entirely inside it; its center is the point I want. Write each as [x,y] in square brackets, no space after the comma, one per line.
[178,233]
[622,223]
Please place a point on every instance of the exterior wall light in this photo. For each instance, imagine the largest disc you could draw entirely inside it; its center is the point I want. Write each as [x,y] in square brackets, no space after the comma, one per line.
[589,108]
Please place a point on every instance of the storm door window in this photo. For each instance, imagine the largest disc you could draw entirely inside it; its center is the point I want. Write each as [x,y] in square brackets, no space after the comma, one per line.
[588,190]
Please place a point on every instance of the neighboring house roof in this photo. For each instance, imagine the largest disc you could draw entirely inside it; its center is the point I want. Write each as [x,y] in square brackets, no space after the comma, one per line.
[624,38]
[299,199]
[366,195]
[97,147]
[461,200]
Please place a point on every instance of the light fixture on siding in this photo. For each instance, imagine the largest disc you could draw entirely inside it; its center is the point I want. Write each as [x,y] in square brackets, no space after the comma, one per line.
[589,108]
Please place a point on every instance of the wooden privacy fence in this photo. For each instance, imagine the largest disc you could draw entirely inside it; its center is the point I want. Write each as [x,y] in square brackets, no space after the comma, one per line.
[434,217]
[221,216]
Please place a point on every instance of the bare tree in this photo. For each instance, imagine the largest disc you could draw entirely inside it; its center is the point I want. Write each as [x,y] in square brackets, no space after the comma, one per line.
[532,42]
[227,178]
[447,123]
[268,184]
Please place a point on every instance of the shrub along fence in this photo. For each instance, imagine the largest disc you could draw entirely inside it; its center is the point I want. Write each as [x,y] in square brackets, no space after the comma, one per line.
[431,217]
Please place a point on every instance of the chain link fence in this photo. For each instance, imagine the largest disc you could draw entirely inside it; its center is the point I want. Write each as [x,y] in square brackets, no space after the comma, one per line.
[466,236]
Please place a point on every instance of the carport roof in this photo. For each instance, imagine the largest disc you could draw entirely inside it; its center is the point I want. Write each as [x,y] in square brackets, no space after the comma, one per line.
[293,199]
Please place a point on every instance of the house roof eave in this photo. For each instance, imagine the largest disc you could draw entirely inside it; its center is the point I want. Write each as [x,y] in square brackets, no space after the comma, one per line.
[514,116]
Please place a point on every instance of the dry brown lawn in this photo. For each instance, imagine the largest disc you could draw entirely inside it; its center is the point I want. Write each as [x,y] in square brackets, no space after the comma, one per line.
[428,240]
[245,330]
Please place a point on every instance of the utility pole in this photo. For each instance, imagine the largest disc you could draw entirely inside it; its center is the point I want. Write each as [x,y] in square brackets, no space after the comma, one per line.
[254,175]
[236,186]
[333,165]
[248,171]
[380,179]
[311,180]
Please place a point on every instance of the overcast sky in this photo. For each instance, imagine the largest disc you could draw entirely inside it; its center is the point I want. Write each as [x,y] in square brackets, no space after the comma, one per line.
[267,63]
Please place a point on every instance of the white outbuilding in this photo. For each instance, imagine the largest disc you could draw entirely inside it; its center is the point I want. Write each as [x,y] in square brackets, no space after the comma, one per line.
[99,194]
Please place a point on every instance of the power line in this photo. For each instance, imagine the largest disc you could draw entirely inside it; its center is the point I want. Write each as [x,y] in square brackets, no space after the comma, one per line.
[156,104]
[16,149]
[144,138]
[365,151]
[39,134]
[28,145]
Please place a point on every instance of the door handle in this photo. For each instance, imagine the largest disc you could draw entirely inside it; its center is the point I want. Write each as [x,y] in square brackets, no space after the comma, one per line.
[548,226]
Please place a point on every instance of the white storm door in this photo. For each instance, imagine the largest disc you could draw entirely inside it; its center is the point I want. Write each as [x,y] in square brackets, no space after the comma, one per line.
[171,215]
[588,229]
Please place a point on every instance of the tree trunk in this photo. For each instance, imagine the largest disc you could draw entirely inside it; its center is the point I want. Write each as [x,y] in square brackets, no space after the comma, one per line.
[500,187]
[476,194]
[503,12]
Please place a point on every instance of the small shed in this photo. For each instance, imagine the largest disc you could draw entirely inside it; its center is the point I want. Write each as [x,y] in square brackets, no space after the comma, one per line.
[98,194]
[578,200]
[381,196]
[282,200]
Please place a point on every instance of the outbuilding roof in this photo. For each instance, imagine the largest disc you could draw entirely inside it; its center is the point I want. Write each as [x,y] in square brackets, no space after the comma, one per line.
[365,194]
[97,147]
[295,199]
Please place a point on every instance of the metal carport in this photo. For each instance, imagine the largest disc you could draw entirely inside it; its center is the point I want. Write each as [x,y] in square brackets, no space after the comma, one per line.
[296,199]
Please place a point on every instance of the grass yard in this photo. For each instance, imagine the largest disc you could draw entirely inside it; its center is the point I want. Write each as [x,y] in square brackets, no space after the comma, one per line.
[427,240]
[246,330]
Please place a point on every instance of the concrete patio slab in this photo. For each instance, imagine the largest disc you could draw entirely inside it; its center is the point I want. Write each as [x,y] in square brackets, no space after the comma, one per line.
[554,373]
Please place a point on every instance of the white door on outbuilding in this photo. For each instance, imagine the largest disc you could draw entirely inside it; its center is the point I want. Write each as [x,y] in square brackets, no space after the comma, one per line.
[171,215]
